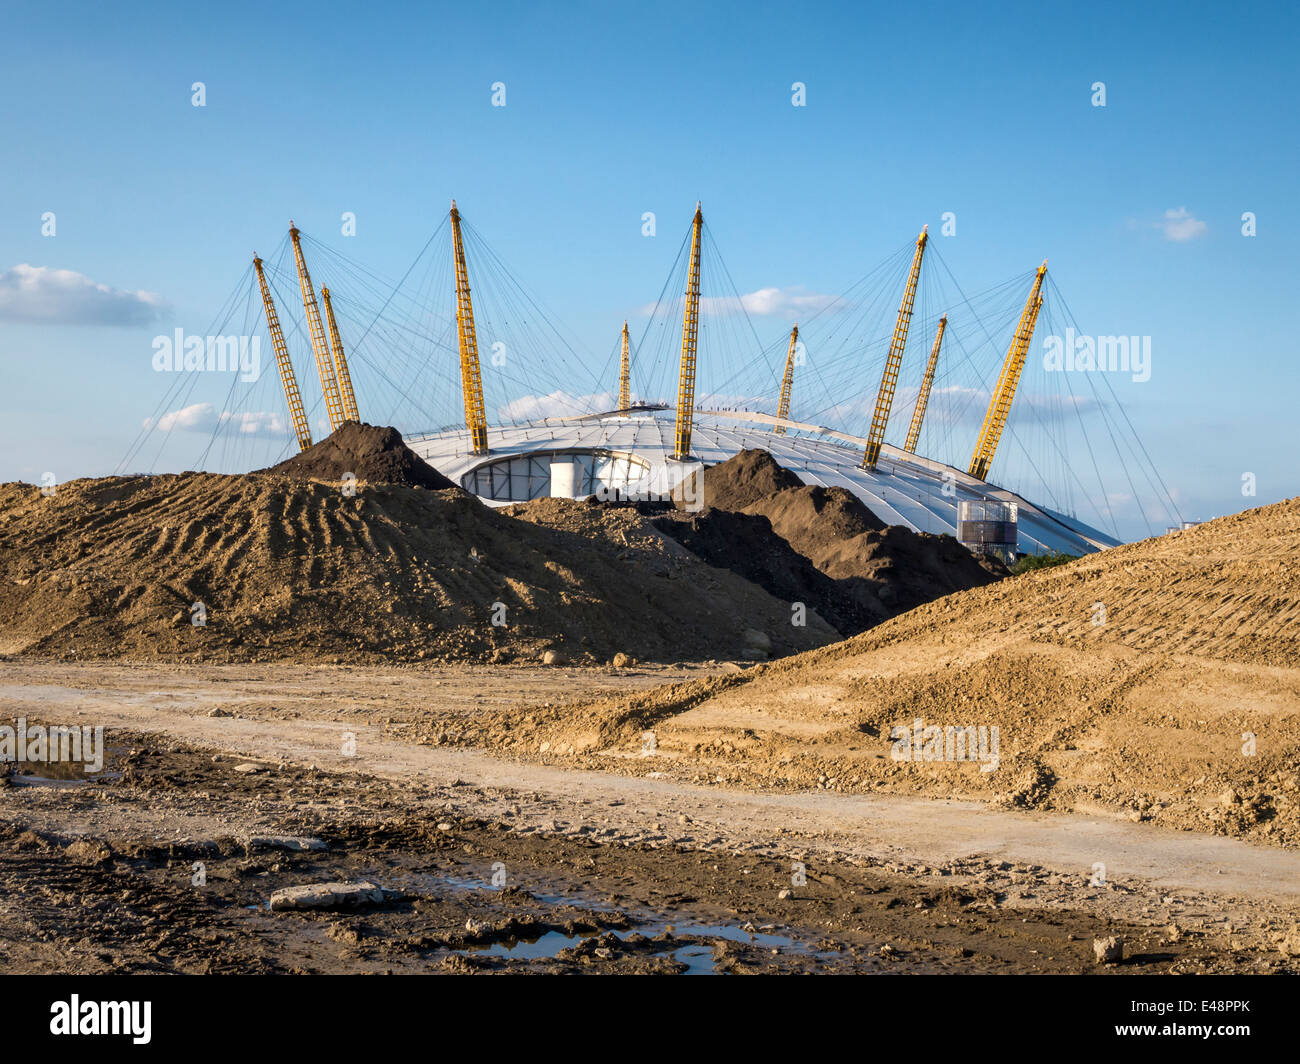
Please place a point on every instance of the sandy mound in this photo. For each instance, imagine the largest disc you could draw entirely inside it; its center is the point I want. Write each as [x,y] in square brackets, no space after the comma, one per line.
[373,454]
[291,569]
[1155,681]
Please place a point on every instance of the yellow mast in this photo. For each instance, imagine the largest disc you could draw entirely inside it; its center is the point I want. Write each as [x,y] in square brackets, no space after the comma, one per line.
[923,399]
[889,379]
[1000,403]
[324,363]
[690,336]
[783,407]
[340,362]
[291,393]
[471,377]
[624,382]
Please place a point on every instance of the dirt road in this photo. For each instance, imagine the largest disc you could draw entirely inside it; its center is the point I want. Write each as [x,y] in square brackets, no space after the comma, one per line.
[1209,902]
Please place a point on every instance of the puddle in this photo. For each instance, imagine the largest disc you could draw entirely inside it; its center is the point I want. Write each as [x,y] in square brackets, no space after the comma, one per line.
[698,960]
[63,772]
[548,945]
[696,952]
[697,956]
[55,774]
[738,934]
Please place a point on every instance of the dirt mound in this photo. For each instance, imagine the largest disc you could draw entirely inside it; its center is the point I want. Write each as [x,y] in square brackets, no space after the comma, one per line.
[1156,681]
[906,569]
[746,478]
[817,521]
[372,453]
[746,544]
[876,571]
[292,569]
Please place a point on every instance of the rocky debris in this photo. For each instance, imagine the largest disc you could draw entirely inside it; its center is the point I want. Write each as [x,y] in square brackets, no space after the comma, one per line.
[332,896]
[1108,950]
[89,852]
[249,768]
[292,843]
[1289,942]
[371,453]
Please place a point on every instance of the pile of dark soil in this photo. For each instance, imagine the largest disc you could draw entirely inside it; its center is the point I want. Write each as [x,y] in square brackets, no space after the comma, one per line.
[746,545]
[874,571]
[373,454]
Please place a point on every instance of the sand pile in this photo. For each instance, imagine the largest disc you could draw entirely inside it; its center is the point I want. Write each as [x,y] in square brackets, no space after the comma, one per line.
[373,454]
[875,571]
[293,569]
[1156,681]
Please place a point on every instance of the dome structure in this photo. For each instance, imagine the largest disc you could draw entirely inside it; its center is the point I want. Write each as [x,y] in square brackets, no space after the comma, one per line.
[629,454]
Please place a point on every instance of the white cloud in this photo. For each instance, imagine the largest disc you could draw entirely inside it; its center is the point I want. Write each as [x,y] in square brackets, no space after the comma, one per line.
[785,301]
[1179,225]
[556,404]
[267,423]
[38,294]
[203,417]
[765,302]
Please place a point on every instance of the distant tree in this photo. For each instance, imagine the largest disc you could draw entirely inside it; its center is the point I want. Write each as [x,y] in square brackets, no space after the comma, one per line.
[1041,561]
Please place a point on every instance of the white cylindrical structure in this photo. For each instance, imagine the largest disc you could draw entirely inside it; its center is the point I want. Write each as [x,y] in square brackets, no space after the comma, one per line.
[564,480]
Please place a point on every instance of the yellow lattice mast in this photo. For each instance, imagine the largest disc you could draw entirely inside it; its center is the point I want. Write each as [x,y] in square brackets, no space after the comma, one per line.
[341,373]
[923,398]
[787,381]
[324,363]
[690,337]
[624,375]
[889,379]
[290,382]
[1000,404]
[471,377]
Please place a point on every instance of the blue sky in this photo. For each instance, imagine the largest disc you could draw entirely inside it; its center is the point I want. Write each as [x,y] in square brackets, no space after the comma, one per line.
[617,109]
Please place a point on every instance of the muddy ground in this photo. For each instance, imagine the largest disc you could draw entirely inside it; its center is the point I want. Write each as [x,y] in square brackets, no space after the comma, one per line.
[496,866]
